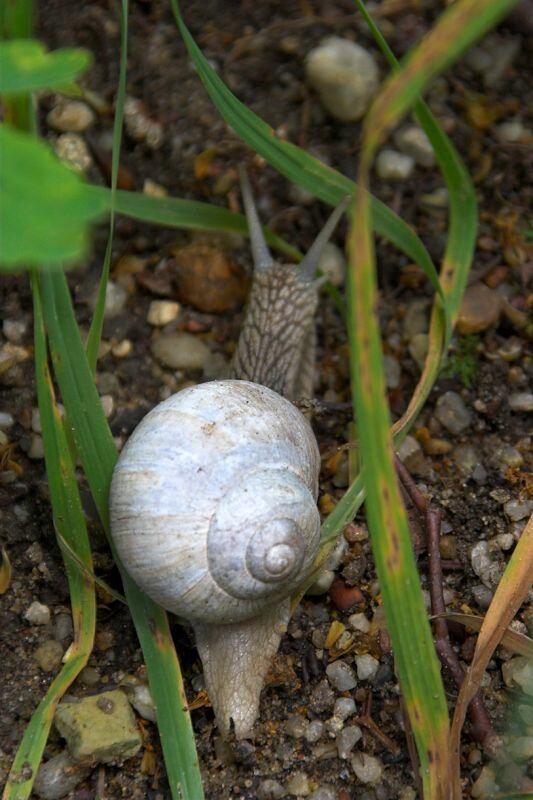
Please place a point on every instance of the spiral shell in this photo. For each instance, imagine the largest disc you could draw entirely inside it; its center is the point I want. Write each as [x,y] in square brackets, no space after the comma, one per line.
[213,501]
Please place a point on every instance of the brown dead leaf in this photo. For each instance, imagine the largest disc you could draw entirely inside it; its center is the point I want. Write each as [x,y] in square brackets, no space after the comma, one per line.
[516,642]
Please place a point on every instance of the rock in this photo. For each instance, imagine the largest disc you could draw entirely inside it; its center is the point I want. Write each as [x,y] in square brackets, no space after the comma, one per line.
[36,448]
[359,622]
[161,312]
[521,401]
[332,264]
[208,278]
[345,77]
[323,793]
[314,731]
[72,150]
[367,768]
[492,57]
[108,405]
[346,740]
[100,728]
[140,126]
[36,420]
[488,570]
[394,166]
[418,349]
[344,707]
[153,189]
[15,330]
[452,413]
[518,671]
[89,677]
[482,595]
[296,726]
[322,697]
[518,509]
[58,776]
[70,115]
[48,655]
[393,371]
[416,318]
[180,351]
[298,785]
[468,460]
[485,785]
[511,132]
[7,420]
[322,583]
[115,300]
[270,789]
[38,614]
[413,142]
[520,748]
[448,547]
[480,309]
[341,676]
[140,697]
[367,667]
[410,453]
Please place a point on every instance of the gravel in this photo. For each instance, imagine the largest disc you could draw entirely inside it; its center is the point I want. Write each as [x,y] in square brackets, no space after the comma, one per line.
[341,676]
[452,413]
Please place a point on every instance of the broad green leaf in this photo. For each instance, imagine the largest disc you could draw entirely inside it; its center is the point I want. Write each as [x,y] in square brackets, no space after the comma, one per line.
[45,208]
[26,66]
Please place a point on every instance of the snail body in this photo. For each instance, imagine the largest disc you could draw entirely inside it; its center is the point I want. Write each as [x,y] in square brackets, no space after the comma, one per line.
[213,500]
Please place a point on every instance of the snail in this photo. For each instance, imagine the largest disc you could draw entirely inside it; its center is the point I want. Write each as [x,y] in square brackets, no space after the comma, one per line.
[213,499]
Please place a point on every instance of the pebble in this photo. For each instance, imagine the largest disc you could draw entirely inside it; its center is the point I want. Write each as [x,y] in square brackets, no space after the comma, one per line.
[486,569]
[410,453]
[324,793]
[314,731]
[518,671]
[107,383]
[492,57]
[346,740]
[298,785]
[505,456]
[14,330]
[341,676]
[36,449]
[511,132]
[482,595]
[322,583]
[332,264]
[72,150]
[58,776]
[270,789]
[36,420]
[122,349]
[108,405]
[140,126]
[367,667]
[393,371]
[521,401]
[480,309]
[48,655]
[468,459]
[100,727]
[416,318]
[418,349]
[485,785]
[7,420]
[518,509]
[38,614]
[180,351]
[161,312]
[345,77]
[140,697]
[413,142]
[344,707]
[359,622]
[367,768]
[394,166]
[296,726]
[452,413]
[70,116]
[521,748]
[90,677]
[322,697]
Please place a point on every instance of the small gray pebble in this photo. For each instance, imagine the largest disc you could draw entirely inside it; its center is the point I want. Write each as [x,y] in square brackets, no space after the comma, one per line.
[367,768]
[482,595]
[270,789]
[452,413]
[394,166]
[341,676]
[6,420]
[296,726]
[413,142]
[58,776]
[347,739]
[344,707]
[521,401]
[367,666]
[90,677]
[517,509]
[48,655]
[14,330]
[322,697]
[298,785]
[38,614]
[393,371]
[36,451]
[63,627]
[314,731]
[324,793]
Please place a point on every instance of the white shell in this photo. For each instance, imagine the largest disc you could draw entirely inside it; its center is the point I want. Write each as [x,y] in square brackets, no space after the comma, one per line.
[213,501]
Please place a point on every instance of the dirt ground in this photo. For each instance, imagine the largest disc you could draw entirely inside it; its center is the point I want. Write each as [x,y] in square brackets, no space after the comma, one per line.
[259,50]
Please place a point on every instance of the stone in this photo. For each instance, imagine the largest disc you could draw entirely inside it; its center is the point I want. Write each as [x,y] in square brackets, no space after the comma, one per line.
[58,776]
[89,677]
[322,697]
[480,309]
[108,405]
[485,785]
[14,330]
[452,413]
[511,132]
[345,77]
[518,671]
[140,697]
[100,728]
[323,793]
[359,622]
[314,731]
[413,142]
[38,614]
[521,748]
[48,655]
[161,312]
[296,726]
[36,420]
[416,318]
[393,371]
[332,264]
[341,676]
[418,349]
[298,785]
[72,150]
[488,570]
[70,115]
[270,789]
[346,740]
[521,401]
[7,420]
[367,768]
[468,459]
[344,707]
[518,509]
[367,667]
[180,351]
[394,166]
[36,449]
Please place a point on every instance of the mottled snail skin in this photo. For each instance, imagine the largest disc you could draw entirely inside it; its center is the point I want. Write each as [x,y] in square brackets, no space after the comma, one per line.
[213,500]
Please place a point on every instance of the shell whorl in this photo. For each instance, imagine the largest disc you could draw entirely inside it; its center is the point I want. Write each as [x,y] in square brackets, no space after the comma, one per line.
[213,501]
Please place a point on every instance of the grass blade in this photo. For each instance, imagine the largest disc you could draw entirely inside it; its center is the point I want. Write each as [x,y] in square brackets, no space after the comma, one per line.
[69,520]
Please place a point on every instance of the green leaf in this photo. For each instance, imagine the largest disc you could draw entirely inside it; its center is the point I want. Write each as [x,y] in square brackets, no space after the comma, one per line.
[25,66]
[45,207]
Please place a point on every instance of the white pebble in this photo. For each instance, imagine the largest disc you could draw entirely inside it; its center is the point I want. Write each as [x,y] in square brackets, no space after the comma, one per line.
[367,768]
[341,676]
[324,793]
[521,401]
[315,731]
[452,413]
[36,420]
[108,405]
[367,667]
[38,614]
[71,115]
[344,75]
[180,351]
[36,451]
[71,149]
[344,707]
[394,166]
[296,726]
[161,312]
[7,420]
[511,132]
[298,785]
[413,142]
[359,622]
[14,330]
[347,739]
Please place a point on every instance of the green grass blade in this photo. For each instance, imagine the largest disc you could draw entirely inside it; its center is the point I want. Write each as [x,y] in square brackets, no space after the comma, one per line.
[69,521]
[95,332]
[98,455]
[297,165]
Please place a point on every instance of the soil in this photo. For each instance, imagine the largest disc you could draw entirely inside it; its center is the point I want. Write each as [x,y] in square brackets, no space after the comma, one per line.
[259,50]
